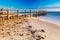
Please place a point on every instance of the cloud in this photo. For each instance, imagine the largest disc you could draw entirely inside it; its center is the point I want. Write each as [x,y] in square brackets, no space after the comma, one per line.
[57,5]
[52,10]
[54,5]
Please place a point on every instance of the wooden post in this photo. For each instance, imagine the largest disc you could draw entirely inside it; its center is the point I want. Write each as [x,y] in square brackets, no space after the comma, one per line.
[17,12]
[2,9]
[30,13]
[1,12]
[25,13]
[7,13]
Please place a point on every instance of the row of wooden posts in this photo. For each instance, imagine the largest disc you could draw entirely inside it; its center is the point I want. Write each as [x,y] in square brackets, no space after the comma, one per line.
[17,12]
[25,12]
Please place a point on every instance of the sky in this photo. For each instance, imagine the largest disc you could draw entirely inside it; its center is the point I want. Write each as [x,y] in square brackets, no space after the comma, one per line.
[29,3]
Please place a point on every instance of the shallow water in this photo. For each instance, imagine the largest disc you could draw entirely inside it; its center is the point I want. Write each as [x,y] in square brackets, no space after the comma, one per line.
[52,16]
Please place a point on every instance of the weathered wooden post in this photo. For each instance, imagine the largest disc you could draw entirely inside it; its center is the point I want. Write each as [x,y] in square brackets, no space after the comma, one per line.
[30,13]
[36,14]
[17,12]
[2,9]
[25,13]
[35,11]
[1,12]
[7,13]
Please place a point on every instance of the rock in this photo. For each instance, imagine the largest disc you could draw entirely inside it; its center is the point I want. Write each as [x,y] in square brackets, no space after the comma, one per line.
[27,34]
[21,34]
[9,33]
[42,30]
[30,26]
[32,31]
[37,39]
[42,37]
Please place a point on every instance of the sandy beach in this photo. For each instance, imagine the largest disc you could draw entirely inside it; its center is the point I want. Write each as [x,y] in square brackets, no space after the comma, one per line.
[29,28]
[49,21]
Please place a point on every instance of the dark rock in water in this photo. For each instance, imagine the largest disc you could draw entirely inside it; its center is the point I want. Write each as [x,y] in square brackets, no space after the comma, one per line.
[35,15]
[40,13]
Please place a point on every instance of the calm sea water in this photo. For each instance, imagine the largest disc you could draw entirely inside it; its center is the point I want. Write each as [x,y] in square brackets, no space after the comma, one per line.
[52,16]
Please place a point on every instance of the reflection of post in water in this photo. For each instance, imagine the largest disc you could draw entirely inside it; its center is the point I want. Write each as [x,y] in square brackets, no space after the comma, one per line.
[17,12]
[25,13]
[30,13]
[7,13]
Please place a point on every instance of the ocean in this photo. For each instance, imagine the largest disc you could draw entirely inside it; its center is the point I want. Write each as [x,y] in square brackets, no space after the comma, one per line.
[51,16]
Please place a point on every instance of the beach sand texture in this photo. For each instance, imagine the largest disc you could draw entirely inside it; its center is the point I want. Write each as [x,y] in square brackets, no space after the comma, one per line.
[28,28]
